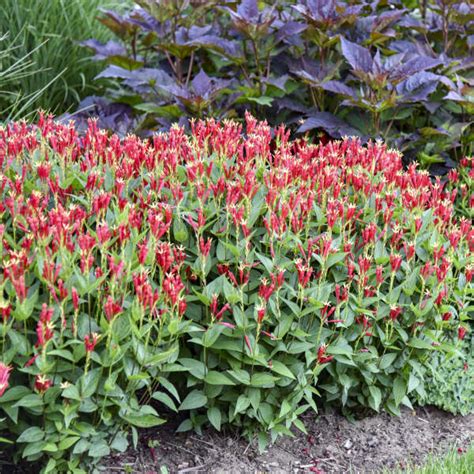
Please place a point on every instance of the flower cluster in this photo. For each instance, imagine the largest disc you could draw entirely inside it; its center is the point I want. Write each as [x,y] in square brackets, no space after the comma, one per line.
[267,271]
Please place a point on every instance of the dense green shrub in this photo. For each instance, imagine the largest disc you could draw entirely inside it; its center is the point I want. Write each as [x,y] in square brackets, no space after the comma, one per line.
[47,32]
[401,70]
[228,274]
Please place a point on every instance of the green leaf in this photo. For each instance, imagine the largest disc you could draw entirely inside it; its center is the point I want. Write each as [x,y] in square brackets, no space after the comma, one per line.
[282,369]
[195,399]
[66,443]
[72,393]
[375,398]
[241,375]
[214,415]
[30,401]
[420,344]
[387,360]
[263,440]
[262,380]
[399,390]
[14,393]
[242,404]
[211,335]
[99,449]
[143,421]
[262,100]
[217,378]
[31,435]
[81,447]
[186,425]
[165,399]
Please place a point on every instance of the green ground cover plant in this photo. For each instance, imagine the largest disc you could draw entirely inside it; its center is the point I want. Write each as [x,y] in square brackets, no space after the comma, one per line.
[457,461]
[450,382]
[231,274]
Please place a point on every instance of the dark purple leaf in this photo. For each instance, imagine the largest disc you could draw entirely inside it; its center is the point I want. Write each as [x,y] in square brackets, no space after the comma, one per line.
[278,82]
[248,10]
[333,125]
[143,19]
[201,83]
[338,88]
[357,56]
[295,106]
[115,72]
[289,29]
[416,63]
[185,36]
[418,86]
[104,50]
[226,47]
[140,80]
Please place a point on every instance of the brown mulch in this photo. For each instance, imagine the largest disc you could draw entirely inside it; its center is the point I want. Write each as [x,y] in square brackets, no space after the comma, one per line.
[333,445]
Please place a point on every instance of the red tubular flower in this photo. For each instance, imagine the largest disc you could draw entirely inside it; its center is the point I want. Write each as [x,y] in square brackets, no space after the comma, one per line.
[103,233]
[368,234]
[205,246]
[260,315]
[45,327]
[90,341]
[395,311]
[462,331]
[395,262]
[142,252]
[447,316]
[4,376]
[364,264]
[172,287]
[379,275]
[322,357]
[43,170]
[31,361]
[42,383]
[112,308]
[304,272]
[75,299]
[469,273]
[266,289]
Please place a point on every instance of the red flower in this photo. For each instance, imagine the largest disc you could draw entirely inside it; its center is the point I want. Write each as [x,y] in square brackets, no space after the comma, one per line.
[111,308]
[395,311]
[322,357]
[75,299]
[205,246]
[266,289]
[447,316]
[395,262]
[91,341]
[379,275]
[42,383]
[45,327]
[4,376]
[462,331]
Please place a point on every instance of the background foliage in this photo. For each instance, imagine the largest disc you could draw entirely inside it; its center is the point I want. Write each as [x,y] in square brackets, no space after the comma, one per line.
[46,33]
[400,70]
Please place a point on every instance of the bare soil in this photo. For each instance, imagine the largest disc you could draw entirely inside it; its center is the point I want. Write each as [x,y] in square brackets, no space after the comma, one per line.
[333,445]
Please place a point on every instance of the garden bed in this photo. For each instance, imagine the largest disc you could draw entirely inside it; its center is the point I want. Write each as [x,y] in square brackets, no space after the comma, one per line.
[333,445]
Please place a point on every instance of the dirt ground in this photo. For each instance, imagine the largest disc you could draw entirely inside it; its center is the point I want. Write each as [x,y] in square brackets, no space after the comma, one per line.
[333,445]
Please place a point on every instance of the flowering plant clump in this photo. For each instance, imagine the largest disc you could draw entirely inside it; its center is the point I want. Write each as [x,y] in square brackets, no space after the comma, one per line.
[237,276]
[461,182]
